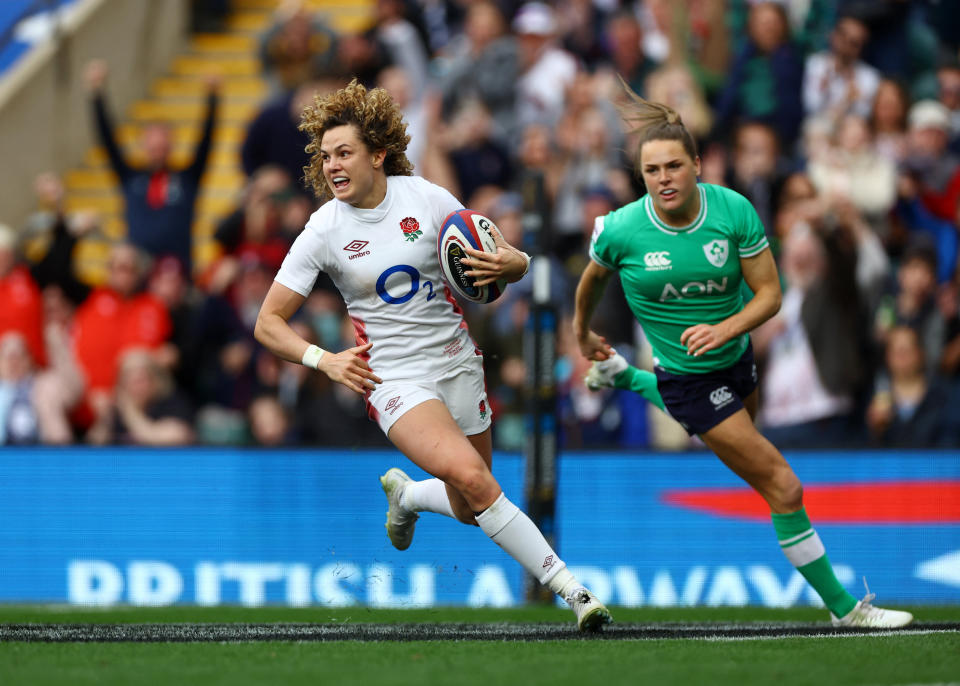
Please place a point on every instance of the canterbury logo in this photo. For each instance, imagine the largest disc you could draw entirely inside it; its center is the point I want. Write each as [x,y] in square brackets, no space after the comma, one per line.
[721,397]
[657,260]
[548,562]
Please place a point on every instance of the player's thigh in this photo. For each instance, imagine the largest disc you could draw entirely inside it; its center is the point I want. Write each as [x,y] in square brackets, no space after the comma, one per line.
[483,444]
[464,392]
[738,443]
[429,436]
[752,403]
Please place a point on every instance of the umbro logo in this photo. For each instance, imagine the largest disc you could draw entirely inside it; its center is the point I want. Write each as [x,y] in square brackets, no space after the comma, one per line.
[721,397]
[393,404]
[657,261]
[357,248]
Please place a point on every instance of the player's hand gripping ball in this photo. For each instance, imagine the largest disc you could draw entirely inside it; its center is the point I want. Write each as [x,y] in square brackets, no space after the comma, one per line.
[467,229]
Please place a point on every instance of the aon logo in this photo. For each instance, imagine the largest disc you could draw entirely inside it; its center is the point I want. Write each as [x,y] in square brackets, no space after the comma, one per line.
[694,288]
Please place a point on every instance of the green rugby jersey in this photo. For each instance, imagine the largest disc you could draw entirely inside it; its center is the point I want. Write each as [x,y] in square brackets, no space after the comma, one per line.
[675,278]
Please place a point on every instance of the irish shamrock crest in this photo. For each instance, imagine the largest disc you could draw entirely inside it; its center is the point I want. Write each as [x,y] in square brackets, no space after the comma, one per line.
[717,252]
[411,229]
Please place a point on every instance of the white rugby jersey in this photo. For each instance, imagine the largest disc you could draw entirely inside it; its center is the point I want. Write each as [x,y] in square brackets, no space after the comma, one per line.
[384,263]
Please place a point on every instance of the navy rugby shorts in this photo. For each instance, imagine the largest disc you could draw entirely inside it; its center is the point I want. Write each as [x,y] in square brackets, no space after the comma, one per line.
[701,401]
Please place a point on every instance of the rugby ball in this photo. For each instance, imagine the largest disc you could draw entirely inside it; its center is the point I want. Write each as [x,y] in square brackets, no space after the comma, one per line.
[467,229]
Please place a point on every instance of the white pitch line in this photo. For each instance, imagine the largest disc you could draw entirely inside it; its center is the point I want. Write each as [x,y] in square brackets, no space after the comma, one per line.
[778,637]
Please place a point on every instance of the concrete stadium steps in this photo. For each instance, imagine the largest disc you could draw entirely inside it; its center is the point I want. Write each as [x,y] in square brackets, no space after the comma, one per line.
[237,89]
[220,43]
[204,64]
[343,15]
[177,110]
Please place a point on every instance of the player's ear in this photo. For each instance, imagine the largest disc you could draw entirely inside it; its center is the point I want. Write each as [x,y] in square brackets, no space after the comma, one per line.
[696,164]
[378,158]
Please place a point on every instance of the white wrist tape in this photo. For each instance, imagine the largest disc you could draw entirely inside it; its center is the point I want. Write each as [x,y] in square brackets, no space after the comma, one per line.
[529,260]
[312,356]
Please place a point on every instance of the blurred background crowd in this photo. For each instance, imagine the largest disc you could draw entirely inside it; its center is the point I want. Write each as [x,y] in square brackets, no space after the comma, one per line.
[838,119]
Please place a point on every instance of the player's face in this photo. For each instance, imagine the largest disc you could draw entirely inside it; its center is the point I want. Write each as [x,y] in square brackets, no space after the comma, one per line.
[670,175]
[353,172]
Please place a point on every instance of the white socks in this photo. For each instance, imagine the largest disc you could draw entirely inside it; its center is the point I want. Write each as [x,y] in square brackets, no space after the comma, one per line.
[509,528]
[426,496]
[513,531]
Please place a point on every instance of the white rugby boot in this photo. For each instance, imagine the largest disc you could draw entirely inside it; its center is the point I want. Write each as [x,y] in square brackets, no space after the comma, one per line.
[592,615]
[864,614]
[601,373]
[400,521]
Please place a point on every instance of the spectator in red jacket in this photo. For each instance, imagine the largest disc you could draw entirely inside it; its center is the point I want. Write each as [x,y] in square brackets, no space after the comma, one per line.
[22,306]
[114,318]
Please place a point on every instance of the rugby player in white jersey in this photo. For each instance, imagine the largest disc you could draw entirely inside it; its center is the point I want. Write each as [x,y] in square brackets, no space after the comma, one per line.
[414,361]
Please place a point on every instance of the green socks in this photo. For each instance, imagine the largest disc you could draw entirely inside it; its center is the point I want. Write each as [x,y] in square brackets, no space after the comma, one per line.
[802,546]
[640,382]
[798,540]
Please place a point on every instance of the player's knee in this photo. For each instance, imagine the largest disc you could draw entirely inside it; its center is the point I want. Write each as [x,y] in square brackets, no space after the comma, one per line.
[476,485]
[787,491]
[793,495]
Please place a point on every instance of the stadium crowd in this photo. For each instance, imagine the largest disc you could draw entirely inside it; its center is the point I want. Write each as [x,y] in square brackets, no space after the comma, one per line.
[839,120]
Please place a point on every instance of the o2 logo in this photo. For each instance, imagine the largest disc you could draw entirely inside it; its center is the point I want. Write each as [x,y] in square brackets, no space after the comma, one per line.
[414,286]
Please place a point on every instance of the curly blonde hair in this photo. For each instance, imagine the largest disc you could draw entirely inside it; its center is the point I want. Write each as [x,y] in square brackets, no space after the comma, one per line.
[377,118]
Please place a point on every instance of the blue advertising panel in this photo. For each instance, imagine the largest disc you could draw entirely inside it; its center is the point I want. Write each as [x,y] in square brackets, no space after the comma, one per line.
[208,527]
[156,527]
[683,530]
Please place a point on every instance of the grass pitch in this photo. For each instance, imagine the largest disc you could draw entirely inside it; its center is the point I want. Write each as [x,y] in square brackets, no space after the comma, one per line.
[535,645]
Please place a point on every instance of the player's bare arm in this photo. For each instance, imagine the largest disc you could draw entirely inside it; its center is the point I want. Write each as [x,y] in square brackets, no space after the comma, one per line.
[590,289]
[275,333]
[508,263]
[760,273]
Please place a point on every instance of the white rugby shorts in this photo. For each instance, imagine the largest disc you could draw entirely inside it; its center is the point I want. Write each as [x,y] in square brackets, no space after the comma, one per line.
[462,389]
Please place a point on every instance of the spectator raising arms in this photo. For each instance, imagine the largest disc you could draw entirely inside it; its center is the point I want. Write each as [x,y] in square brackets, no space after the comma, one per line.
[159,200]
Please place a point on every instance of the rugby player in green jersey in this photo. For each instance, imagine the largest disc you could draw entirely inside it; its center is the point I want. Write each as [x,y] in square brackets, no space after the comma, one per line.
[681,252]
